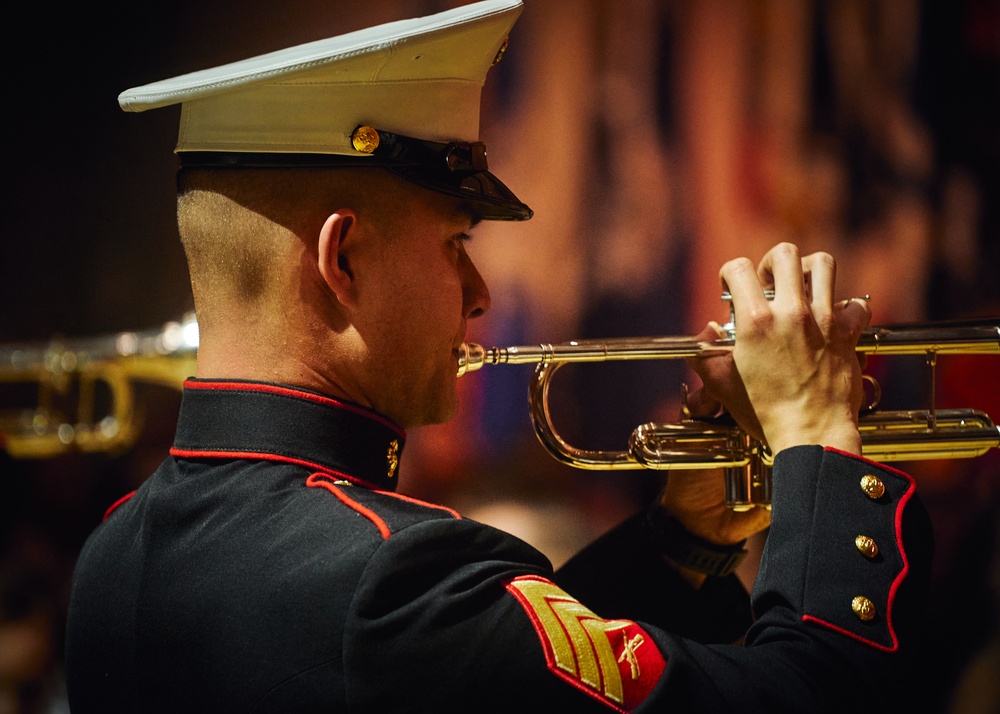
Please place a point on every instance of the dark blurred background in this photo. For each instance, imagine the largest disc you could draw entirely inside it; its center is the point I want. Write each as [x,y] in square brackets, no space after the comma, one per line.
[655,140]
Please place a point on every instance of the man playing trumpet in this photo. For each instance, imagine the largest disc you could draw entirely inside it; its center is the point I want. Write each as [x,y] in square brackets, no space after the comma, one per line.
[325,198]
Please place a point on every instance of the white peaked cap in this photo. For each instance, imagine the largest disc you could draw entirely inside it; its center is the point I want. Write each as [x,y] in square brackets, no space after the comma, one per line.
[415,83]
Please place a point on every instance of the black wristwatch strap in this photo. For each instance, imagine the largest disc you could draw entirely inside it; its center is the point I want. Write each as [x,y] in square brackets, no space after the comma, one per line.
[687,550]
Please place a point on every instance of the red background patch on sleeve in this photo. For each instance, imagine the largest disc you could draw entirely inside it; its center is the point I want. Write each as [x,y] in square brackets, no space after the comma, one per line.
[614,661]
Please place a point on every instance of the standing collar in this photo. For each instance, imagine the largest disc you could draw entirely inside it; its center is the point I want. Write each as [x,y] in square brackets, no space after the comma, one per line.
[259,420]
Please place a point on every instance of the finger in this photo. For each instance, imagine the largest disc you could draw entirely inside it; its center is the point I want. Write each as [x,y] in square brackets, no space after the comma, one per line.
[711,331]
[782,267]
[854,314]
[699,404]
[822,270]
[740,278]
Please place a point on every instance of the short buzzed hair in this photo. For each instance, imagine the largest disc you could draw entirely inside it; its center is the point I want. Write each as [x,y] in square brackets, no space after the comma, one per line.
[235,223]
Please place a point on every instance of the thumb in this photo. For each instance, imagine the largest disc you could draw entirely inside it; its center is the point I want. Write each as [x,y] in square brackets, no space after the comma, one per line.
[700,404]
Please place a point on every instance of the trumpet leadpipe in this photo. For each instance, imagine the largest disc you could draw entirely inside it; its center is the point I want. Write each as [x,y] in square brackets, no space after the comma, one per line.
[474,356]
[975,337]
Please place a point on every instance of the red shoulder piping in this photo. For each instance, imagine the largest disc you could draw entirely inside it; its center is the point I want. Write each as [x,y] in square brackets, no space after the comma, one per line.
[418,502]
[321,480]
[116,504]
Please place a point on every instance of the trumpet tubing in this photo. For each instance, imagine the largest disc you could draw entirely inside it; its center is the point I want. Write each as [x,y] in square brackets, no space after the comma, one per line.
[977,337]
[69,377]
[694,444]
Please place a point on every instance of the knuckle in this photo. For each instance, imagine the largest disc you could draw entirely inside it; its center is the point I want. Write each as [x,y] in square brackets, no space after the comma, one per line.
[796,315]
[824,259]
[758,317]
[736,264]
[787,249]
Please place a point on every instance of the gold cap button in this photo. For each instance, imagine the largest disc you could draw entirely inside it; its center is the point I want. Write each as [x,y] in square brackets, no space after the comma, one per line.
[365,139]
[866,546]
[863,608]
[872,486]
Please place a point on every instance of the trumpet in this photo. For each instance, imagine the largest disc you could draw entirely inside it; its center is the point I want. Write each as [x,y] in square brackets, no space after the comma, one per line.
[691,443]
[83,389]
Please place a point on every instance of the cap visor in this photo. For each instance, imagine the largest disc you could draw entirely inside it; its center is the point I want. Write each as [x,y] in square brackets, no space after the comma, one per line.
[488,194]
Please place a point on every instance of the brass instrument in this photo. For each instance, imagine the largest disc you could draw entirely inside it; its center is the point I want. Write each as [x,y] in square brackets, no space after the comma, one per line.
[71,372]
[93,378]
[693,444]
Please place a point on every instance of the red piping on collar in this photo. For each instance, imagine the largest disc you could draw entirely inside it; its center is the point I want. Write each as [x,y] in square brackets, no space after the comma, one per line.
[266,456]
[290,392]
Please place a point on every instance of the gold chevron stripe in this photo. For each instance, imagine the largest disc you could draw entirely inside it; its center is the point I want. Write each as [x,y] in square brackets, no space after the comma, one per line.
[577,641]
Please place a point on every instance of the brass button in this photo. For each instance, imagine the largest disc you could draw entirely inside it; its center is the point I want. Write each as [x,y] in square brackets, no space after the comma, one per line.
[866,546]
[863,608]
[392,457]
[365,139]
[872,486]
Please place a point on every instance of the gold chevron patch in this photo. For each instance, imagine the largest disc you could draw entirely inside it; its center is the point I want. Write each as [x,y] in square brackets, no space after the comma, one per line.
[615,661]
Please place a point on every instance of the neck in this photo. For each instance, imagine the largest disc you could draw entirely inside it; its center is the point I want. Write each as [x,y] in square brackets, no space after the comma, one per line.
[316,359]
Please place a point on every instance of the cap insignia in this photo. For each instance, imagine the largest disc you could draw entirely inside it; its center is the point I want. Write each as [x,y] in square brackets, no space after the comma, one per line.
[365,139]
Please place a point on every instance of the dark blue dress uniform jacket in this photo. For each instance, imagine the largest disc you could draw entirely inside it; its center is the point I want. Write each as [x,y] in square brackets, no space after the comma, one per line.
[268,566]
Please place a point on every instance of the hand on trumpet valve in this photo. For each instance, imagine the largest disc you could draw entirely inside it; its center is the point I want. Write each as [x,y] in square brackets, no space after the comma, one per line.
[721,388]
[796,354]
[697,499]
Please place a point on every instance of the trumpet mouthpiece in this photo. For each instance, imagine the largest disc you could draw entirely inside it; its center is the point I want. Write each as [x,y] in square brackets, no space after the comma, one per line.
[470,357]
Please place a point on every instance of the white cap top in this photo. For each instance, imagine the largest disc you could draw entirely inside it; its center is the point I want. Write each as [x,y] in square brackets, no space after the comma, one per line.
[420,77]
[412,81]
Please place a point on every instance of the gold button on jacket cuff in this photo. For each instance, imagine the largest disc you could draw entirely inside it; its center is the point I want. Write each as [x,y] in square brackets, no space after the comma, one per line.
[866,546]
[863,608]
[872,486]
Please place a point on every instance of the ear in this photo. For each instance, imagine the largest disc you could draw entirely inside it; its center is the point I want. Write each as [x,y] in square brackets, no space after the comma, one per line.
[337,241]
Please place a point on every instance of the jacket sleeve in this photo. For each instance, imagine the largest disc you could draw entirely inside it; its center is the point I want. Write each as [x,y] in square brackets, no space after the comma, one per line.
[838,599]
[622,575]
[457,617]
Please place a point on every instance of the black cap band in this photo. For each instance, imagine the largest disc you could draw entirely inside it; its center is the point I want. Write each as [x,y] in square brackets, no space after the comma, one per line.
[456,168]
